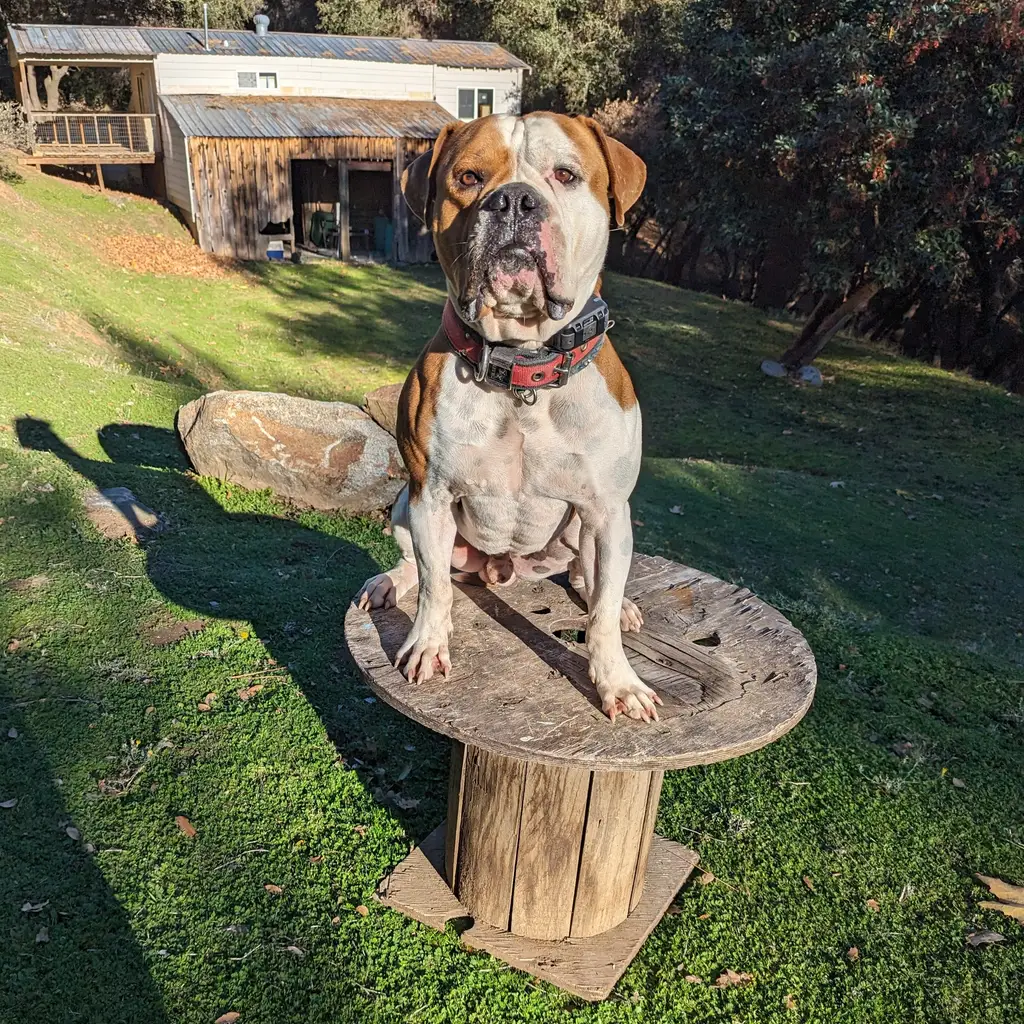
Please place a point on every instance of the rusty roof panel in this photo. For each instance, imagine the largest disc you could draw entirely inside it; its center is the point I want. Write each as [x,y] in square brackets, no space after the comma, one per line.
[272,117]
[119,41]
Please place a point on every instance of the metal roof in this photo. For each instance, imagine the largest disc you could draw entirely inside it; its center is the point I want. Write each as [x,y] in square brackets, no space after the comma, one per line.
[97,41]
[304,117]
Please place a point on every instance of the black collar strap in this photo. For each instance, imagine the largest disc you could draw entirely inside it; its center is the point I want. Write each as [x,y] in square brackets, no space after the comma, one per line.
[524,372]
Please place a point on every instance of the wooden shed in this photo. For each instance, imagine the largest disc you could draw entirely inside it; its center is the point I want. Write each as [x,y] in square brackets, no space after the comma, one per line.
[263,168]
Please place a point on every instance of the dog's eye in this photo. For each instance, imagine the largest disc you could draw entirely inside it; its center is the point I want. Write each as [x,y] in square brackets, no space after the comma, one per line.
[564,175]
[470,179]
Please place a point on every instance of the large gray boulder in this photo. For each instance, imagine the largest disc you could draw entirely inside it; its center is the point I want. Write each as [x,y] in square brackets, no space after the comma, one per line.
[329,455]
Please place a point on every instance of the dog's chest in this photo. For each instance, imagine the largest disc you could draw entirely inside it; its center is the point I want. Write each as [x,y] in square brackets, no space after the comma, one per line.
[566,447]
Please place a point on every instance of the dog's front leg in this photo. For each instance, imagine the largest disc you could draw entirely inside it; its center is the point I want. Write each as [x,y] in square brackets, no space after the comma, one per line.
[432,527]
[606,552]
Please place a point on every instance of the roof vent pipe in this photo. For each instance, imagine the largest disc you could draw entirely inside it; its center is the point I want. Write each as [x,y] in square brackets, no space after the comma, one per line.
[206,26]
[262,23]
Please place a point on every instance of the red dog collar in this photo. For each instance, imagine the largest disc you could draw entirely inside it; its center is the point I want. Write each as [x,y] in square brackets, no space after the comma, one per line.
[524,372]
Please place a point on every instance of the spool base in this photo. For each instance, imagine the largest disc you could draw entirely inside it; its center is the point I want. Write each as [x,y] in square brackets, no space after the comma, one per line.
[586,967]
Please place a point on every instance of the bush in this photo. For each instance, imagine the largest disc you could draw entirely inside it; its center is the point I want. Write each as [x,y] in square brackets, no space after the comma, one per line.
[13,129]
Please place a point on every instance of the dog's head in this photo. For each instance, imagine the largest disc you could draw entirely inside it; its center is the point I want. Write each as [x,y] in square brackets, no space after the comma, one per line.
[520,209]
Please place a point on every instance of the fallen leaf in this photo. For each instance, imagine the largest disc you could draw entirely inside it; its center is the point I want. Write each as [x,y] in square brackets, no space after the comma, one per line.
[694,979]
[405,803]
[905,495]
[202,706]
[185,825]
[853,953]
[12,733]
[315,860]
[361,829]
[361,910]
[676,510]
[873,906]
[43,935]
[295,950]
[275,889]
[729,978]
[809,882]
[8,804]
[72,833]
[842,668]
[974,939]
[790,1002]
[335,920]
[150,709]
[959,783]
[703,917]
[902,748]
[1010,897]
[706,878]
[786,433]
[228,1018]
[13,646]
[249,691]
[33,908]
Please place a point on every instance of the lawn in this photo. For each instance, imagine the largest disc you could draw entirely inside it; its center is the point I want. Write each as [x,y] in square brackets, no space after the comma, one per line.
[883,513]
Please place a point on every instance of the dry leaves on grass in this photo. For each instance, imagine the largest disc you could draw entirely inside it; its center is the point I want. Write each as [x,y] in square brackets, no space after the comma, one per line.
[228,1018]
[809,882]
[790,1002]
[984,938]
[159,254]
[730,978]
[276,890]
[853,954]
[185,825]
[873,905]
[9,804]
[72,833]
[207,702]
[361,910]
[249,691]
[1009,899]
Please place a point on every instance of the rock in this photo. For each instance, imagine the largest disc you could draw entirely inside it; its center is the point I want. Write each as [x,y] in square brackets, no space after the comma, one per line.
[329,455]
[116,513]
[382,405]
[811,375]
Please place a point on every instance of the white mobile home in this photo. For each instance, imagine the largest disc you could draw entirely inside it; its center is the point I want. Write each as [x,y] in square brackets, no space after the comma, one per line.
[261,134]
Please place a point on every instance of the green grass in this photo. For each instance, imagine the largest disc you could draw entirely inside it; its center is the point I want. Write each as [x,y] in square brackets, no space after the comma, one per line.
[906,578]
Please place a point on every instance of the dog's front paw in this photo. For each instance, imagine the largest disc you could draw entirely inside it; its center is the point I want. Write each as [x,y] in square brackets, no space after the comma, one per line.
[621,690]
[630,618]
[386,589]
[423,653]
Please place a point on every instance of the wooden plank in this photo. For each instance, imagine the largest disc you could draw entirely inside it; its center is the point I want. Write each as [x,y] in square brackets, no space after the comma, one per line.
[653,796]
[99,178]
[550,837]
[344,236]
[492,800]
[611,846]
[456,777]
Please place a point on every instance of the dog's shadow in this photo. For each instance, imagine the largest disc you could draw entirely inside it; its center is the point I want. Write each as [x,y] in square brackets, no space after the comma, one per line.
[393,626]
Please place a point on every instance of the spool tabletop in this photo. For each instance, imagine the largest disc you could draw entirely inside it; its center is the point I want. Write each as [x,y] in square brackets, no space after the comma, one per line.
[734,674]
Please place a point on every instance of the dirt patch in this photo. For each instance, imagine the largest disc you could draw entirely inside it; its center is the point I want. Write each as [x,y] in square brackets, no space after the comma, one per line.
[158,254]
[162,632]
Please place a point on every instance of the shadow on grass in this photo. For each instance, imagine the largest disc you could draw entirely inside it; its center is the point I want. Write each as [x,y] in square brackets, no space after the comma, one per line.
[291,582]
[67,940]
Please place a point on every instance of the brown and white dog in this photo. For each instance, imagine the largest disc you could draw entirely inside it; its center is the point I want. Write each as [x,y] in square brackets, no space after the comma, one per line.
[520,209]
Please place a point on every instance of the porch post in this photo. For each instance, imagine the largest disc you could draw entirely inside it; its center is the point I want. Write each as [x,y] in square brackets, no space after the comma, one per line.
[344,238]
[399,218]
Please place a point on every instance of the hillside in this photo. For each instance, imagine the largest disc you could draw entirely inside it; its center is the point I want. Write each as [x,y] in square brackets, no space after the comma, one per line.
[883,513]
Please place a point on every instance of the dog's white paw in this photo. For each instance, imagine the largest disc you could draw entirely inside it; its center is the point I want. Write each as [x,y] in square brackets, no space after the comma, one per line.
[630,618]
[423,653]
[385,589]
[622,692]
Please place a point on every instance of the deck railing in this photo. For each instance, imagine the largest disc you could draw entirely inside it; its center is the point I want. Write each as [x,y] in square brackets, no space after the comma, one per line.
[54,134]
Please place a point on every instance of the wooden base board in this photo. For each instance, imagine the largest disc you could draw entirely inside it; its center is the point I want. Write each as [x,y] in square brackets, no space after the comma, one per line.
[589,967]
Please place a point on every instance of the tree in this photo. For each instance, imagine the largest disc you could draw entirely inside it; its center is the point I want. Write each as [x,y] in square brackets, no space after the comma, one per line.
[882,139]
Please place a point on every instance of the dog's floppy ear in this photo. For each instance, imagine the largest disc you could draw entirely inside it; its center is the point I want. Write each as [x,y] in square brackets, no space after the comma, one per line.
[627,173]
[418,177]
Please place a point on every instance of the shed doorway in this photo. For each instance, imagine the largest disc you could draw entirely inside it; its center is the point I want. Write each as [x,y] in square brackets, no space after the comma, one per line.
[343,208]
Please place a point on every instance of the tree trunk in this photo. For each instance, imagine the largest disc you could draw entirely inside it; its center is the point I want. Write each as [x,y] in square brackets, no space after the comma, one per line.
[814,338]
[51,83]
[33,89]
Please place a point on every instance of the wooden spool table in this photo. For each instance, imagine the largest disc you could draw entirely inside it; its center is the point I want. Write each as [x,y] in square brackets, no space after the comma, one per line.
[549,844]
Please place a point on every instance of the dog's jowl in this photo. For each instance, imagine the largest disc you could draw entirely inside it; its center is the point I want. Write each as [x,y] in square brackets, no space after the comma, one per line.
[519,425]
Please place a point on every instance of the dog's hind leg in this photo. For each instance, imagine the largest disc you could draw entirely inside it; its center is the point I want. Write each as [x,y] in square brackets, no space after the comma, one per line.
[386,589]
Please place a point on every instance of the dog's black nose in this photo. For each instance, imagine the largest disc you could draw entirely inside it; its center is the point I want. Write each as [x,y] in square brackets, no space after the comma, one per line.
[515,199]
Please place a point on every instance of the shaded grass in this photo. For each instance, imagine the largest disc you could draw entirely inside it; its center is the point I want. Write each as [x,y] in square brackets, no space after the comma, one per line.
[906,579]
